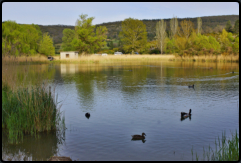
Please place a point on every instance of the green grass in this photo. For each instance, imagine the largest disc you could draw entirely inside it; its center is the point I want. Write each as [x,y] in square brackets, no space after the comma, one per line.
[28,111]
[225,150]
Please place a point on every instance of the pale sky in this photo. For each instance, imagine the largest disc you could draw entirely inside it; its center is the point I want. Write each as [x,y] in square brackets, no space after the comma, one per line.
[66,13]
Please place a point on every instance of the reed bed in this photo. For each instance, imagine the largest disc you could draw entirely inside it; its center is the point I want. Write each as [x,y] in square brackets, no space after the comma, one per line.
[209,58]
[26,59]
[225,150]
[28,111]
[26,108]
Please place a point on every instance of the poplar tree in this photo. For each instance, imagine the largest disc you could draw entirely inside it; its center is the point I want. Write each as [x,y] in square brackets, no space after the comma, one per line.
[186,29]
[199,25]
[161,34]
[173,26]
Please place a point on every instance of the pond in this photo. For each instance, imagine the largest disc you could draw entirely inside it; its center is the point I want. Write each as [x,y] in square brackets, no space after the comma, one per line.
[129,98]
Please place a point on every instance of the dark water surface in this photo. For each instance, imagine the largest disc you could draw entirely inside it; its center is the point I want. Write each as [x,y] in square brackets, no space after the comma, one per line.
[130,98]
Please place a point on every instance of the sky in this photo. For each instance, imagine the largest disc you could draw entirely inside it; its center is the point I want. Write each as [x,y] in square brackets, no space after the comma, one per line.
[66,13]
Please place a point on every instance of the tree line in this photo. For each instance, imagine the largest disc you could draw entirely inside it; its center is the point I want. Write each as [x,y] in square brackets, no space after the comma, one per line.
[18,39]
[181,38]
[186,40]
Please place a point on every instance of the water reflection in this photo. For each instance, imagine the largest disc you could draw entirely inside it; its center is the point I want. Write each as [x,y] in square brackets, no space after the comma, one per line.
[69,68]
[134,101]
[183,118]
[143,140]
[41,147]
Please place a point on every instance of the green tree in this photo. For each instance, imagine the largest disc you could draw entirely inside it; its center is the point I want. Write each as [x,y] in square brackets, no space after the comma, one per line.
[46,45]
[199,25]
[32,37]
[230,37]
[228,27]
[170,46]
[18,39]
[68,36]
[133,35]
[111,45]
[101,35]
[85,40]
[224,41]
[236,27]
[236,46]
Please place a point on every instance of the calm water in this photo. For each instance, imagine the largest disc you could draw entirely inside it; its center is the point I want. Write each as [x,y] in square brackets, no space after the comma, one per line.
[130,98]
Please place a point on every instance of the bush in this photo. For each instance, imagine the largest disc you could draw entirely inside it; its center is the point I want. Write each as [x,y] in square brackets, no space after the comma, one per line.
[155,51]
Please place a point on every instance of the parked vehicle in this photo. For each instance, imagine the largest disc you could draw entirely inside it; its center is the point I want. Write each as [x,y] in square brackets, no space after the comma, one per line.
[104,54]
[50,58]
[118,53]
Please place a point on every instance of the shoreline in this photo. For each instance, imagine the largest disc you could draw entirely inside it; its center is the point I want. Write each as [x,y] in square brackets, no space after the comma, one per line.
[120,58]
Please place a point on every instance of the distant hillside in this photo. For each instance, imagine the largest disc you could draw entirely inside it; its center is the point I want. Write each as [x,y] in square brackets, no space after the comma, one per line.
[56,31]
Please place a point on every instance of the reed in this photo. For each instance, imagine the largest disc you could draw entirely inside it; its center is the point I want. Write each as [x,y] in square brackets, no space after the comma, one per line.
[28,111]
[26,59]
[225,150]
[210,58]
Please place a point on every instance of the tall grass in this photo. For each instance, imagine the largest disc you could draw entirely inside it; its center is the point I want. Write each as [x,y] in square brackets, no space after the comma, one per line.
[208,58]
[116,58]
[225,150]
[127,57]
[28,111]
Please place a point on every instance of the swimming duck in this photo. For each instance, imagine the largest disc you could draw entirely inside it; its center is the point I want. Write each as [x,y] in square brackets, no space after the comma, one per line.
[191,86]
[232,72]
[139,137]
[87,115]
[183,114]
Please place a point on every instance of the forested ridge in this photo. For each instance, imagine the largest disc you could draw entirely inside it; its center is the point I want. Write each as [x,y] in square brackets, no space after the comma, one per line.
[186,36]
[209,25]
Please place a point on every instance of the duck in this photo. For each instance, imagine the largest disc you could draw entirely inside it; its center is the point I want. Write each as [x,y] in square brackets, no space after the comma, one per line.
[183,114]
[232,71]
[139,137]
[87,115]
[191,86]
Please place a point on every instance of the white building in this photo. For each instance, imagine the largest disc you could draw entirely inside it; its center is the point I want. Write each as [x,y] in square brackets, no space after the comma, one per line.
[69,55]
